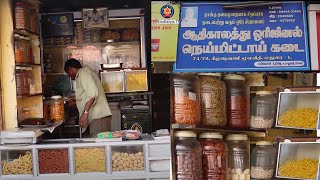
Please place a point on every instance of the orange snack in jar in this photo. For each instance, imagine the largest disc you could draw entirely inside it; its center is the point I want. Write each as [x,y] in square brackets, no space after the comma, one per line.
[56,108]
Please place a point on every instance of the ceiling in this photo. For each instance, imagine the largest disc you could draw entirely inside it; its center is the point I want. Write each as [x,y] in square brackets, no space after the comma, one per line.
[50,6]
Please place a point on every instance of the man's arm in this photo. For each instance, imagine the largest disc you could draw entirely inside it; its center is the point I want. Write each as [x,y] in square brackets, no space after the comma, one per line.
[83,121]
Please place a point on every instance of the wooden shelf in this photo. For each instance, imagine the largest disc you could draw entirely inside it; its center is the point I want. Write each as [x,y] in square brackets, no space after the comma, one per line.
[30,95]
[249,132]
[129,94]
[27,64]
[25,32]
[88,44]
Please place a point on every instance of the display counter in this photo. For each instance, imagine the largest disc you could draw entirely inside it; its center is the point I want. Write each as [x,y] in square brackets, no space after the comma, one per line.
[86,159]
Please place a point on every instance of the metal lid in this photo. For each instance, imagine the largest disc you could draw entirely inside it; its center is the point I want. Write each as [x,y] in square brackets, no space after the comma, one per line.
[16,35]
[264,92]
[237,137]
[234,77]
[185,134]
[211,135]
[56,97]
[20,68]
[28,68]
[209,74]
[264,143]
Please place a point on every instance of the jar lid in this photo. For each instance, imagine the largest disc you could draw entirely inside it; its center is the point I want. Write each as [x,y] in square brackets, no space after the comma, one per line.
[210,135]
[237,137]
[209,74]
[56,97]
[185,134]
[264,143]
[16,35]
[20,68]
[264,92]
[28,68]
[234,77]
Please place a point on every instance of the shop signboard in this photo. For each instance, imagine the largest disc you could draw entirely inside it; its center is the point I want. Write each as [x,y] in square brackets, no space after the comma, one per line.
[260,38]
[314,31]
[164,30]
[57,25]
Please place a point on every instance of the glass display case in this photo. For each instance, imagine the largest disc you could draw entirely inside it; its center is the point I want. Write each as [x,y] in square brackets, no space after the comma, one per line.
[295,157]
[112,82]
[299,110]
[53,161]
[136,80]
[16,162]
[127,158]
[91,159]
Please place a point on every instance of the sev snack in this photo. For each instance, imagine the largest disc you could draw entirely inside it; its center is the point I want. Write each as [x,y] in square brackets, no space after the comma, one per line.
[90,160]
[22,165]
[305,168]
[303,117]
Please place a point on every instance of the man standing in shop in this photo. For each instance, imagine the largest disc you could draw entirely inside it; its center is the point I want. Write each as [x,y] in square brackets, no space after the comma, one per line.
[93,107]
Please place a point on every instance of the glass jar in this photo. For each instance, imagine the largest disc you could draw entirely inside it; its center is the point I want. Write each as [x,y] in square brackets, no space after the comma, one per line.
[263,160]
[27,80]
[56,108]
[238,157]
[29,56]
[237,101]
[18,49]
[20,15]
[213,100]
[20,81]
[25,113]
[263,110]
[186,106]
[24,46]
[46,104]
[214,158]
[188,156]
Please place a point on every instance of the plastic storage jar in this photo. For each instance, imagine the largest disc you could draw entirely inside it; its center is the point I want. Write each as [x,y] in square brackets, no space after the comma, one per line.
[188,156]
[263,110]
[238,157]
[214,158]
[237,101]
[20,79]
[213,100]
[263,160]
[186,106]
[57,108]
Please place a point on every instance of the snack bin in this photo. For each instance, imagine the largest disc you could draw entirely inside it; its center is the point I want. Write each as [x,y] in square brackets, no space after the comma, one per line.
[11,159]
[295,104]
[292,155]
[89,159]
[126,159]
[136,80]
[53,160]
[112,82]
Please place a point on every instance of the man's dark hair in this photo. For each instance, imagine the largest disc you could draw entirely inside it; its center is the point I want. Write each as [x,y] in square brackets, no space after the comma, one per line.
[72,63]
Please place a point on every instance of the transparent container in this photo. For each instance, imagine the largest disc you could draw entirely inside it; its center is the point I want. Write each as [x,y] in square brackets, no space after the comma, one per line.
[52,161]
[213,100]
[214,156]
[56,108]
[263,160]
[91,159]
[112,82]
[29,54]
[16,162]
[188,156]
[28,79]
[20,80]
[136,81]
[238,157]
[24,46]
[237,101]
[263,110]
[127,158]
[20,13]
[18,49]
[186,106]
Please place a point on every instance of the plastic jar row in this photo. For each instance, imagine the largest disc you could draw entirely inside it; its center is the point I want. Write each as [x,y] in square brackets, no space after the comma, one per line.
[23,49]
[212,102]
[207,158]
[26,17]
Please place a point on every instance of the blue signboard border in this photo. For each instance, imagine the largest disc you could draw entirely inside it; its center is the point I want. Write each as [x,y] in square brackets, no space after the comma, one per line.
[284,69]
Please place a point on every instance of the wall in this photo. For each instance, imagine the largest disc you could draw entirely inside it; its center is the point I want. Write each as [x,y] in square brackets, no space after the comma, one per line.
[7,66]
